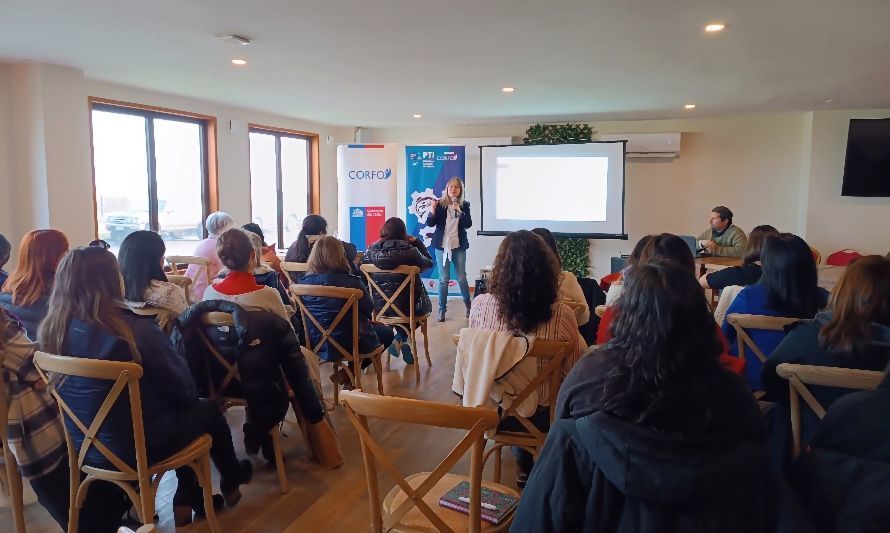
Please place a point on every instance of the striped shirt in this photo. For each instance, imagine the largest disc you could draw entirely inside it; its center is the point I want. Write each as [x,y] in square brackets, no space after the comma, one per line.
[35,432]
[562,326]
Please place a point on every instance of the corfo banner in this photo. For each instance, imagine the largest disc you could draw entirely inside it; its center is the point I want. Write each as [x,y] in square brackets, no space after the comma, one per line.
[366,191]
[428,169]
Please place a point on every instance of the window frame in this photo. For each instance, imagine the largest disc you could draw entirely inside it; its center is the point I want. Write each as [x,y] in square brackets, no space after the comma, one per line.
[313,200]
[209,178]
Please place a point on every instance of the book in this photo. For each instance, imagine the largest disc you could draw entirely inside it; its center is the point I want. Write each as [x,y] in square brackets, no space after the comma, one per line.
[496,505]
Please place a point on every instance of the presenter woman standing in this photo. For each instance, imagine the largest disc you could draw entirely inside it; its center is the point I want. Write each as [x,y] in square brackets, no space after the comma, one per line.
[451,218]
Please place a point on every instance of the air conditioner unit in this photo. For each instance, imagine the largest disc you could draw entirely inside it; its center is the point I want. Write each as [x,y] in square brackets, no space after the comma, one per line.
[647,145]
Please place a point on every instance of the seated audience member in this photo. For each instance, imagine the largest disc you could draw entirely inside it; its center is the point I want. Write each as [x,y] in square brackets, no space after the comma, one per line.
[854,332]
[788,288]
[263,272]
[569,288]
[268,256]
[747,274]
[663,437]
[617,286]
[217,223]
[27,290]
[237,254]
[722,239]
[37,440]
[328,267]
[141,258]
[394,249]
[5,250]
[522,299]
[843,478]
[315,227]
[673,248]
[86,319]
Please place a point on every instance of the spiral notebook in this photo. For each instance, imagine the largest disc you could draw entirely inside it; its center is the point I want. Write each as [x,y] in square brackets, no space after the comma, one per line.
[496,505]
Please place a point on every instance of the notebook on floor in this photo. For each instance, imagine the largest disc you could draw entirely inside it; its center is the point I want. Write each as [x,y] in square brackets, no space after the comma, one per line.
[496,505]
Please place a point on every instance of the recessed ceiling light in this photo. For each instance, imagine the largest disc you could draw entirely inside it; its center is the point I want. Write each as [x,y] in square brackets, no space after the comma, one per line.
[508,89]
[829,101]
[711,28]
[239,62]
[689,106]
[417,115]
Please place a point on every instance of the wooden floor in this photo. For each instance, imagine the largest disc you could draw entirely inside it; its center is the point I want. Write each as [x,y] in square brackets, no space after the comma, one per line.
[332,500]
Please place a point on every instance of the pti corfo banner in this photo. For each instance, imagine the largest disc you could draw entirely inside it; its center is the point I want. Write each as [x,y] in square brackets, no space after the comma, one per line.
[428,169]
[366,191]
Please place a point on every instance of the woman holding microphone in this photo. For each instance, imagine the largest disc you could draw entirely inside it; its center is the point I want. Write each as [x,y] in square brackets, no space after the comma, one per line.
[451,218]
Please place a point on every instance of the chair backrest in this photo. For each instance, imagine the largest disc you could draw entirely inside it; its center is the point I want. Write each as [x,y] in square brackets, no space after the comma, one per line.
[742,323]
[230,369]
[551,356]
[350,299]
[183,281]
[124,376]
[842,257]
[389,300]
[163,317]
[799,376]
[203,264]
[360,406]
[292,266]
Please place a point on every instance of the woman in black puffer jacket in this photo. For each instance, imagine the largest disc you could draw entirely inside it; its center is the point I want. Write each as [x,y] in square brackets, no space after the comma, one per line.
[394,249]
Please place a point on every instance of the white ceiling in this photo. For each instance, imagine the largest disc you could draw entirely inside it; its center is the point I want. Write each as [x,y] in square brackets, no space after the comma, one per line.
[376,62]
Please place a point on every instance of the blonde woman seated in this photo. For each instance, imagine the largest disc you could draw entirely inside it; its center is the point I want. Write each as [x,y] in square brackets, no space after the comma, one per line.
[522,299]
[237,254]
[569,288]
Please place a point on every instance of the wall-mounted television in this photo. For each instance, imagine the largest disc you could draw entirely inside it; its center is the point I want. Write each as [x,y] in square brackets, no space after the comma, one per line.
[867,167]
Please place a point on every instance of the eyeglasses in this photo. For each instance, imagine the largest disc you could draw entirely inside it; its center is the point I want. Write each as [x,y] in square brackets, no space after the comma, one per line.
[99,243]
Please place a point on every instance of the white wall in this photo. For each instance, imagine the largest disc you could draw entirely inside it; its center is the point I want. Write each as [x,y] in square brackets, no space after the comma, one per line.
[45,163]
[835,222]
[751,164]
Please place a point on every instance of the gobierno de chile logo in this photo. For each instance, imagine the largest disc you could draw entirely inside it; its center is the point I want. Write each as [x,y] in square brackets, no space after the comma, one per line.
[383,174]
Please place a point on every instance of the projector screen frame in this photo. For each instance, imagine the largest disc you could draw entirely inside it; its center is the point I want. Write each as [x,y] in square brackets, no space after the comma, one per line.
[593,236]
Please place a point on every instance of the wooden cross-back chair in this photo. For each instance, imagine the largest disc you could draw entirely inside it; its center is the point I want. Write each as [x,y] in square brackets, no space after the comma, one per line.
[413,504]
[13,483]
[406,321]
[202,263]
[230,376]
[125,378]
[292,267]
[552,355]
[799,376]
[164,318]
[183,281]
[742,323]
[351,357]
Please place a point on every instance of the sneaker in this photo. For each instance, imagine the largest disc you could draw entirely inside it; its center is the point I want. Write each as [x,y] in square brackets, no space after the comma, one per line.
[441,316]
[406,354]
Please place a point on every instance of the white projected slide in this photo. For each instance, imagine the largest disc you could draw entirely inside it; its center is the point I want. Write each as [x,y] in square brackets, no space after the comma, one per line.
[575,188]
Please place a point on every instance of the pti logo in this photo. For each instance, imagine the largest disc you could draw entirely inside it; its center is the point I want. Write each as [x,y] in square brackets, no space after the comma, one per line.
[383,174]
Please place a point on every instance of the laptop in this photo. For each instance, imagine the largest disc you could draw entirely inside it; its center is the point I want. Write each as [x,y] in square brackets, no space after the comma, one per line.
[692,243]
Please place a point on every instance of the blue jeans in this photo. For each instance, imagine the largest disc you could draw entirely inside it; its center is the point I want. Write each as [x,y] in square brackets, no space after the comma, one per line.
[459,257]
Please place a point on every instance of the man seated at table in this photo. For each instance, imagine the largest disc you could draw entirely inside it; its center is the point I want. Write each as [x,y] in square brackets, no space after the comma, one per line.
[722,239]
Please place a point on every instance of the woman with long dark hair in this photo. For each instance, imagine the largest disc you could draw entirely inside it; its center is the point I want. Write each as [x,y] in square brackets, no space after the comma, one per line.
[451,218]
[662,437]
[141,259]
[87,318]
[788,288]
[26,292]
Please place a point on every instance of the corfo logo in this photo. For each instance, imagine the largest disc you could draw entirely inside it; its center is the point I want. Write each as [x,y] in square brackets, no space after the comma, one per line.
[383,174]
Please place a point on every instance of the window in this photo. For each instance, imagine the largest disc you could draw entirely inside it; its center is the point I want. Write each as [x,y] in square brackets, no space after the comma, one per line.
[282,182]
[151,172]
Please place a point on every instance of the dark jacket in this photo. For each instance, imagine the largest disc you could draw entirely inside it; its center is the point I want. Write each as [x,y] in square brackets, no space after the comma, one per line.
[263,345]
[392,254]
[325,310]
[349,251]
[438,217]
[29,315]
[166,387]
[844,481]
[801,346]
[603,475]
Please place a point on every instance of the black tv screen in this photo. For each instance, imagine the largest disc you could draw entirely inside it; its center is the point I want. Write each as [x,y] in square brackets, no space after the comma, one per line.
[867,168]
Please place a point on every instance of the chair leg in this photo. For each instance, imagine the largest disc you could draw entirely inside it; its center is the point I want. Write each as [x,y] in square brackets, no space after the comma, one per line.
[279,461]
[204,479]
[74,510]
[497,465]
[378,367]
[426,342]
[336,370]
[412,337]
[14,483]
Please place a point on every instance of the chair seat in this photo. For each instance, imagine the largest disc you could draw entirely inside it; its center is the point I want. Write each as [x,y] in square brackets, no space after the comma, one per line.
[398,320]
[190,453]
[415,521]
[520,438]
